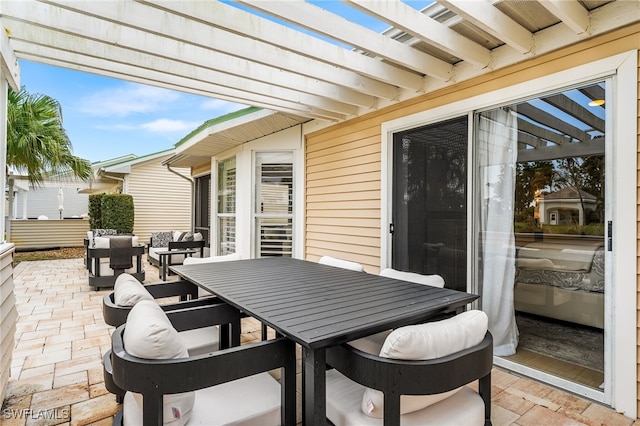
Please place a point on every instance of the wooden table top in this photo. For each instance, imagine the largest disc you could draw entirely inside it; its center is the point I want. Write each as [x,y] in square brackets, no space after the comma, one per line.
[318,305]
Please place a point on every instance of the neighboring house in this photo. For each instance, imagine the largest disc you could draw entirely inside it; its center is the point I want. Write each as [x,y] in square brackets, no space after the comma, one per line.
[417,186]
[564,206]
[33,202]
[161,194]
[151,184]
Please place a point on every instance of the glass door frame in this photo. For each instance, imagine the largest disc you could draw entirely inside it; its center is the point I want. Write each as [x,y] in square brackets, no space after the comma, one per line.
[620,340]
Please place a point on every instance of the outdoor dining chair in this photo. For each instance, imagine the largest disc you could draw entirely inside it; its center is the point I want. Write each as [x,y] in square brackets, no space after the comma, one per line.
[372,344]
[419,378]
[165,385]
[341,263]
[201,336]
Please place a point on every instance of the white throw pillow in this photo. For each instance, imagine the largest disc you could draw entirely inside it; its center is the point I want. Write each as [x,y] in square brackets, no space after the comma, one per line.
[149,334]
[127,291]
[432,280]
[423,342]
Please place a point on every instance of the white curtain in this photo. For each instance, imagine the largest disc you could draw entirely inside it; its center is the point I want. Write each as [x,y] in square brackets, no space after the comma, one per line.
[498,149]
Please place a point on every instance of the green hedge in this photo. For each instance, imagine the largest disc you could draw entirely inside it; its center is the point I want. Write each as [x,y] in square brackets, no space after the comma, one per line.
[95,212]
[111,211]
[117,212]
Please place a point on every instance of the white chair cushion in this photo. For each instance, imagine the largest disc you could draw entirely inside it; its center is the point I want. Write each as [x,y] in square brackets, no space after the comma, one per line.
[105,269]
[127,291]
[201,341]
[344,397]
[371,344]
[149,334]
[432,280]
[211,259]
[340,263]
[422,342]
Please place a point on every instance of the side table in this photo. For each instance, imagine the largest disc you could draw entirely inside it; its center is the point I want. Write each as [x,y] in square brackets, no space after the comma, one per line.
[165,260]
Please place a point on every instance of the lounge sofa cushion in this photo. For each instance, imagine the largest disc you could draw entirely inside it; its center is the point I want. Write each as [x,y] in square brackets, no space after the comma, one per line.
[423,342]
[150,335]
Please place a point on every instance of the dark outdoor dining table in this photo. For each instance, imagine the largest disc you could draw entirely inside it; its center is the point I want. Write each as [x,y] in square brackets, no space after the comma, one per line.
[319,306]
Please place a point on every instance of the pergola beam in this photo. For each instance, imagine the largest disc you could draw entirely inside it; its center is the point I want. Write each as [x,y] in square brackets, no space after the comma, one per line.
[169,24]
[238,21]
[492,20]
[330,25]
[149,70]
[570,12]
[67,23]
[426,29]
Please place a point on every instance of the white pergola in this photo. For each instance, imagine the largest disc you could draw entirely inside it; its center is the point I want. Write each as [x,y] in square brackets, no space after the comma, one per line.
[294,57]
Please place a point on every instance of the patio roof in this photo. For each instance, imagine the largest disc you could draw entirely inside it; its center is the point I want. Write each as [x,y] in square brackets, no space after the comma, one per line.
[237,54]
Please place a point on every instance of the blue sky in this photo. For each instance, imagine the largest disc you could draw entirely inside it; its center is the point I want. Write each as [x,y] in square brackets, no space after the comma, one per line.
[106,118]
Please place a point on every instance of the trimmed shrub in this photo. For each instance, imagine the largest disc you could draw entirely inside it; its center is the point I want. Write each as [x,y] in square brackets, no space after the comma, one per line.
[117,212]
[95,212]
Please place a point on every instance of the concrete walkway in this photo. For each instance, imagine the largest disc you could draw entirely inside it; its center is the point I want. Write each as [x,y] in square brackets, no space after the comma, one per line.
[56,375]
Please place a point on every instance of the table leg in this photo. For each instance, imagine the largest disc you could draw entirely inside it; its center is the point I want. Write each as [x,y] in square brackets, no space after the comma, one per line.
[164,269]
[314,387]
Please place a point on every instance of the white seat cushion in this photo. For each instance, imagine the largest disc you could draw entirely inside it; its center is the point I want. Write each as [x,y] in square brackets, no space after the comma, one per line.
[422,342]
[344,397]
[340,263]
[432,280]
[371,344]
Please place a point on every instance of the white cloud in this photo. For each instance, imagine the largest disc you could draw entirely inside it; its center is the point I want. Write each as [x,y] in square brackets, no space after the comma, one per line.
[127,99]
[164,125]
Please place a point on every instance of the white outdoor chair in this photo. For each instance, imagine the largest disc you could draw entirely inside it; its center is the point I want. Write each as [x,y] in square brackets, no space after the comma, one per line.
[418,379]
[372,344]
[165,385]
[211,259]
[340,263]
[432,280]
[203,336]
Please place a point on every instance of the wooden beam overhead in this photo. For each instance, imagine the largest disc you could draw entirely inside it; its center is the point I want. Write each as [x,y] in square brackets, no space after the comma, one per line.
[165,48]
[571,13]
[427,29]
[158,21]
[256,27]
[322,22]
[490,19]
[117,62]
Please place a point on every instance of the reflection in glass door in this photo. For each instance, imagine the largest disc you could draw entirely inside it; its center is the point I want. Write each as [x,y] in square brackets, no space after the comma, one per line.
[541,245]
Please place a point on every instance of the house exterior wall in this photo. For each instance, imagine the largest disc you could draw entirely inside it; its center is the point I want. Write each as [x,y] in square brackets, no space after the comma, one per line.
[44,201]
[162,199]
[343,162]
[8,316]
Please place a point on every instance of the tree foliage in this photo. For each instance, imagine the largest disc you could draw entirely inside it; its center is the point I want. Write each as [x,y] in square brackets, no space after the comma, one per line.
[37,143]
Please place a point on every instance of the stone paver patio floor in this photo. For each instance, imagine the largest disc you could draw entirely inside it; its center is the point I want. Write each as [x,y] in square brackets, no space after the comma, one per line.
[56,375]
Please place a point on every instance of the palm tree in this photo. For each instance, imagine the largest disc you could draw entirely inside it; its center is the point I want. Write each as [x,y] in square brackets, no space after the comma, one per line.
[36,141]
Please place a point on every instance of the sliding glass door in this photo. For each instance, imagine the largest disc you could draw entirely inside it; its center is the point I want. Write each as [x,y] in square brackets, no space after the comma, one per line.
[429,224]
[539,216]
